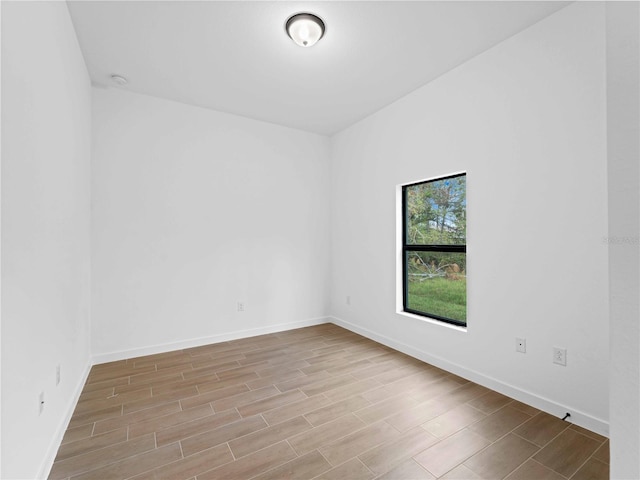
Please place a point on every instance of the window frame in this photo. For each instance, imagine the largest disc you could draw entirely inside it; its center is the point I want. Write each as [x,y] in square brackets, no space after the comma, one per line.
[425,248]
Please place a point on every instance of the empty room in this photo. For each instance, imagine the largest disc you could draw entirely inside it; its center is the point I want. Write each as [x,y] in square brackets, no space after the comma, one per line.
[320,240]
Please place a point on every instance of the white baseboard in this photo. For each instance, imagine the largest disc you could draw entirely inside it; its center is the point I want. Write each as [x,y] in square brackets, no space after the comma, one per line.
[52,451]
[197,342]
[578,417]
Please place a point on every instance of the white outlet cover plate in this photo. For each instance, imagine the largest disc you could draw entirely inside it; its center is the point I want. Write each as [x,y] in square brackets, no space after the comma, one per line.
[560,356]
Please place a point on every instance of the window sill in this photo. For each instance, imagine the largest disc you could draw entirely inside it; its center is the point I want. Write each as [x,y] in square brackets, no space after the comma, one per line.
[432,321]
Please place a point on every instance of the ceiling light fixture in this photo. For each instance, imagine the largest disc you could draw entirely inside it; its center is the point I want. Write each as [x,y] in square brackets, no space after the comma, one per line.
[305,29]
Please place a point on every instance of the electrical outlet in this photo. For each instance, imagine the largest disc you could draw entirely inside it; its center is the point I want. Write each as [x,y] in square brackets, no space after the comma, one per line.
[241,306]
[348,299]
[40,403]
[521,345]
[560,356]
[58,375]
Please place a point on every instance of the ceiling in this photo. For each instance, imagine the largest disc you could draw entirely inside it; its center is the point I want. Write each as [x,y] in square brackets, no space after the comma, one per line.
[235,57]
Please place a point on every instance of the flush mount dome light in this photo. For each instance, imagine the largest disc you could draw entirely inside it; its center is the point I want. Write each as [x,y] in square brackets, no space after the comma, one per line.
[305,29]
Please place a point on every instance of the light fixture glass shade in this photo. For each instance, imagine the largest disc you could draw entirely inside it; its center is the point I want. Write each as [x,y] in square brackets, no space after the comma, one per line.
[305,29]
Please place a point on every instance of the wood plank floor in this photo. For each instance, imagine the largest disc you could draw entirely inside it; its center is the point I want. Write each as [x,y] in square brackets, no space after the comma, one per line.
[318,402]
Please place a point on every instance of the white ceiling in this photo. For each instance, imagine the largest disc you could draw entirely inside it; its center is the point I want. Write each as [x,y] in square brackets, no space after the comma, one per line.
[235,57]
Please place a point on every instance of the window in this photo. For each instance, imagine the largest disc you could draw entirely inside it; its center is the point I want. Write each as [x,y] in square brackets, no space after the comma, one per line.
[434,249]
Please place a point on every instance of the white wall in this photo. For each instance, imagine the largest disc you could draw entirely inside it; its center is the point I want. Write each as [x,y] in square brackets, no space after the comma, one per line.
[623,124]
[526,120]
[195,210]
[46,122]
